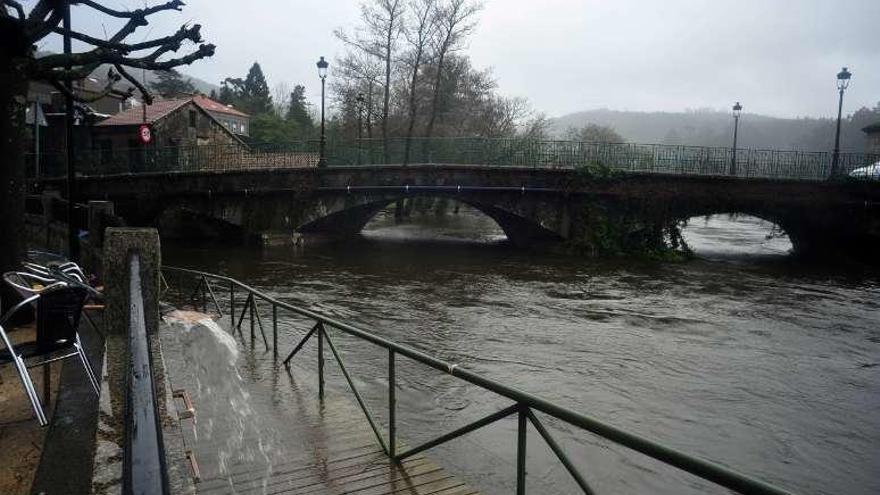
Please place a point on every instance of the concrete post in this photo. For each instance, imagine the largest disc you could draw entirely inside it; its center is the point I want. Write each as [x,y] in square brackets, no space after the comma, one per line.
[119,243]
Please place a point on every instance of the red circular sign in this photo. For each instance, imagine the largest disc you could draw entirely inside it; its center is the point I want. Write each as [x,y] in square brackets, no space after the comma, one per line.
[145,134]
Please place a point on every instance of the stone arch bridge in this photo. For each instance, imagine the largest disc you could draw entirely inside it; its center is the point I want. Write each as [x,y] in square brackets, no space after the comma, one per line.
[556,209]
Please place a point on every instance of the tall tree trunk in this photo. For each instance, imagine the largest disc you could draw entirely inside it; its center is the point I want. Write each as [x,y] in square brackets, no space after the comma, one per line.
[13,132]
[370,110]
[435,100]
[412,106]
[387,96]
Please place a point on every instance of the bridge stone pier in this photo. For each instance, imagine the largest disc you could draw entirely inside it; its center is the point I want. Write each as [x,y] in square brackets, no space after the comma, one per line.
[541,208]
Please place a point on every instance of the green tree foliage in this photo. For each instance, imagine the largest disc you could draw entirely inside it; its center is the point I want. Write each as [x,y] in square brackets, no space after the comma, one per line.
[594,133]
[171,83]
[297,111]
[268,127]
[250,95]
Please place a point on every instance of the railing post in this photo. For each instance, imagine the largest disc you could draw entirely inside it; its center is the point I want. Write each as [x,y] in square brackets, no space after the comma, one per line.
[232,307]
[392,406]
[321,362]
[521,451]
[251,314]
[204,296]
[274,330]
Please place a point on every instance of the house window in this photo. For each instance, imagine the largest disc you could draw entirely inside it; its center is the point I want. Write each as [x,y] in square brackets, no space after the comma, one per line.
[192,118]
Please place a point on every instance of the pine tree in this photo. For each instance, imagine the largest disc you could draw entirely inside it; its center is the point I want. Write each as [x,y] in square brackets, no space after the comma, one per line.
[256,91]
[297,111]
[250,95]
[171,83]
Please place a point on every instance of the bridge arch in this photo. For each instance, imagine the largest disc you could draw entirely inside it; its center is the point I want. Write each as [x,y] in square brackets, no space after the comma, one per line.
[348,214]
[790,225]
[735,235]
[186,223]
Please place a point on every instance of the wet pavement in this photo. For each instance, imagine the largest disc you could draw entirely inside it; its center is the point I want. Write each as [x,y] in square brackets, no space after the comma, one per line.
[247,440]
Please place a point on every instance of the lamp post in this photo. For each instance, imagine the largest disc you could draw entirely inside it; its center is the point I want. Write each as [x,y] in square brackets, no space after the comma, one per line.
[360,110]
[737,110]
[322,73]
[72,237]
[842,83]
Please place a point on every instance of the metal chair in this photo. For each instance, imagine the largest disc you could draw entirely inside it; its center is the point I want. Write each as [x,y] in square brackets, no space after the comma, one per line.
[58,311]
[72,274]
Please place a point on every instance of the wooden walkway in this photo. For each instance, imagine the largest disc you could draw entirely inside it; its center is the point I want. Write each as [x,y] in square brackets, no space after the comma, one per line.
[305,448]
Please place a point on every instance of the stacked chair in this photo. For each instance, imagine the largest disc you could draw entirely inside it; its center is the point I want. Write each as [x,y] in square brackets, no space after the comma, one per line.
[57,296]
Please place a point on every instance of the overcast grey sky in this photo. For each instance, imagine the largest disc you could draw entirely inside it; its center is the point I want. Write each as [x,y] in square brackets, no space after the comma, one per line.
[777,57]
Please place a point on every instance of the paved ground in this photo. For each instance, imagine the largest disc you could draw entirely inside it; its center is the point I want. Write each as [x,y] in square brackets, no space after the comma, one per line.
[21,437]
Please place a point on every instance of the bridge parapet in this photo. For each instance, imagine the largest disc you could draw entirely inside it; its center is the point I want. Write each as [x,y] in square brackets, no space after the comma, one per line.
[596,157]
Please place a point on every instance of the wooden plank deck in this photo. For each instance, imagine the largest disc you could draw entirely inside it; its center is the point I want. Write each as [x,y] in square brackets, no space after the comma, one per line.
[305,447]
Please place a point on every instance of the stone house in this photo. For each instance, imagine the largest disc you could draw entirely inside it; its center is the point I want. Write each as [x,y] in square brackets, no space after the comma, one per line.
[236,121]
[184,137]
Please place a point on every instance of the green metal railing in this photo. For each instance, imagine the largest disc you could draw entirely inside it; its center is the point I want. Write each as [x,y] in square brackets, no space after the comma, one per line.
[621,157]
[524,406]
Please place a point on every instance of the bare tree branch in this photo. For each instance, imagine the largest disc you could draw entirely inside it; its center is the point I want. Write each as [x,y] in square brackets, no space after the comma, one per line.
[183,34]
[109,89]
[139,13]
[91,60]
[145,93]
[17,7]
[37,30]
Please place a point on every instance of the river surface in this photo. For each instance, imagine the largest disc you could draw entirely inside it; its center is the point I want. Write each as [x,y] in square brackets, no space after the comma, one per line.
[742,356]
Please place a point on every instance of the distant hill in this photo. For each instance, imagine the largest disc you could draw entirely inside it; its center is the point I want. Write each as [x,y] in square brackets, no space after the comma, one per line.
[713,128]
[150,77]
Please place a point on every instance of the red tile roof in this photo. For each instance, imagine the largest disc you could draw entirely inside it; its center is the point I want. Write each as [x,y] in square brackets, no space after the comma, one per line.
[135,115]
[215,106]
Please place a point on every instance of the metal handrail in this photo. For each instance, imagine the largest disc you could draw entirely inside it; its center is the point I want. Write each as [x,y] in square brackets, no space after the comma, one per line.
[524,405]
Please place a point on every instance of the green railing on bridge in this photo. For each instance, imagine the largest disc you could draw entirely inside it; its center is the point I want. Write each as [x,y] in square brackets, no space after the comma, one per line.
[622,157]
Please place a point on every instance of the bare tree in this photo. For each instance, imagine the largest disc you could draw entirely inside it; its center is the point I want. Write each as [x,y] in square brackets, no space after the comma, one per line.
[418,35]
[455,21]
[536,128]
[359,72]
[382,26]
[20,31]
[594,133]
[501,116]
[281,98]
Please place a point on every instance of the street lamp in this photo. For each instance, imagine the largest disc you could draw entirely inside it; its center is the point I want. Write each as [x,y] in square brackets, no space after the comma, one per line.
[842,83]
[737,110]
[322,73]
[360,110]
